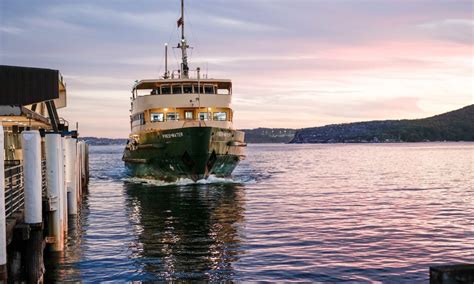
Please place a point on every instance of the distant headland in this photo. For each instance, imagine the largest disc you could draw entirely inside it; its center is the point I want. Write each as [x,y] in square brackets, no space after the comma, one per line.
[456,125]
[95,141]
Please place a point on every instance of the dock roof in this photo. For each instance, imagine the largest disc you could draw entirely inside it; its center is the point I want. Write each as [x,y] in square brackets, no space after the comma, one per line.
[22,86]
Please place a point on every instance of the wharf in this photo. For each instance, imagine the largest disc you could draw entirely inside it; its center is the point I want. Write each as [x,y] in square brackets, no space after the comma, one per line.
[44,172]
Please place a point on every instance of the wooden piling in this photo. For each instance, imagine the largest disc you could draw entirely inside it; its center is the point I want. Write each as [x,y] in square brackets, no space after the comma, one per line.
[34,267]
[87,163]
[64,189]
[79,172]
[54,165]
[71,166]
[31,143]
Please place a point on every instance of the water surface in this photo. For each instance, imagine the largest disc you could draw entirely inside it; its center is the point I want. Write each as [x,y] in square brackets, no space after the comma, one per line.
[332,213]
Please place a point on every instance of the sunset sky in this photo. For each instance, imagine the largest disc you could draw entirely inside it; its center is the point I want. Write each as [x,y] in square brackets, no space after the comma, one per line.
[294,63]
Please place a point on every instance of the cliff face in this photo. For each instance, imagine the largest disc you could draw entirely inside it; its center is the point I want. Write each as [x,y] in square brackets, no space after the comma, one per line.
[456,125]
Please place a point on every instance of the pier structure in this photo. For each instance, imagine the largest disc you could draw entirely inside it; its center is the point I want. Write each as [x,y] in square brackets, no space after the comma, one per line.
[43,174]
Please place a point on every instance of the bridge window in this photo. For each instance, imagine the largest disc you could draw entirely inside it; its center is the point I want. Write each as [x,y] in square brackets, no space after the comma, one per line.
[177,89]
[196,91]
[187,89]
[188,115]
[157,117]
[172,116]
[209,89]
[220,116]
[165,90]
[223,91]
[204,115]
[139,117]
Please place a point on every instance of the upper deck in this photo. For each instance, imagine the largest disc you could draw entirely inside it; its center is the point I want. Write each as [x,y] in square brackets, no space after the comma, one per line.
[182,86]
[179,93]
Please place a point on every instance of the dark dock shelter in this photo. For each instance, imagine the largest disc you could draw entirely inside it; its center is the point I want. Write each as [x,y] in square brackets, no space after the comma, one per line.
[29,99]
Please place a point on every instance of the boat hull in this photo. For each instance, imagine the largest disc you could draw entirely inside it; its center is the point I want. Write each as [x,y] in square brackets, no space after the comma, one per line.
[193,152]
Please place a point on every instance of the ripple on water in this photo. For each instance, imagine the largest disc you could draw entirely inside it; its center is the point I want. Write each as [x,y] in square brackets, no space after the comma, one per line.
[325,213]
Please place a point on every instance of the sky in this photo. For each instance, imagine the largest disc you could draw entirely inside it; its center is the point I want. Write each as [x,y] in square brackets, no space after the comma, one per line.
[294,63]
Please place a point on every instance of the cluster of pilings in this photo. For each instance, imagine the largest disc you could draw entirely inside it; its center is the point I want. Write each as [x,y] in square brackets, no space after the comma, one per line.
[47,196]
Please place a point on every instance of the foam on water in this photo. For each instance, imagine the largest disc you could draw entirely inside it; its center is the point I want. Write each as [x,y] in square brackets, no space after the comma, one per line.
[188,182]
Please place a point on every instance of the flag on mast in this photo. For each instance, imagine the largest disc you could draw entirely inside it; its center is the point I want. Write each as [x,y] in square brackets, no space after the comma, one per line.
[180,22]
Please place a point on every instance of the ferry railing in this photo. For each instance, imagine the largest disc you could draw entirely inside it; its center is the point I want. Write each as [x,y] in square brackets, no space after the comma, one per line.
[192,74]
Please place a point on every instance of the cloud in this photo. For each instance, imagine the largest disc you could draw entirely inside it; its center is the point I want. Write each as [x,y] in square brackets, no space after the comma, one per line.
[242,25]
[456,30]
[381,108]
[10,30]
[87,82]
[97,17]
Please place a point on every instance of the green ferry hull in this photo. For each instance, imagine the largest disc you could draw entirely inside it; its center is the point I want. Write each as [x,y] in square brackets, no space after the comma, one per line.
[193,153]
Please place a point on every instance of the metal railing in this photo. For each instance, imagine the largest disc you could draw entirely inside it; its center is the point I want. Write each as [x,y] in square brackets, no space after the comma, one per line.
[43,179]
[15,190]
[192,74]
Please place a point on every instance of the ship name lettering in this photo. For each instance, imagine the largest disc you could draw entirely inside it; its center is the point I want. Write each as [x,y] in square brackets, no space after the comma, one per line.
[223,134]
[173,135]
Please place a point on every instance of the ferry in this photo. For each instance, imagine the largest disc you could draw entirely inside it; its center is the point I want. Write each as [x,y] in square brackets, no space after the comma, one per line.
[181,124]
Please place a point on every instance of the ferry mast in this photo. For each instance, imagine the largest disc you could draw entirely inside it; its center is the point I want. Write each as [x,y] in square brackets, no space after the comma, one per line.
[183,45]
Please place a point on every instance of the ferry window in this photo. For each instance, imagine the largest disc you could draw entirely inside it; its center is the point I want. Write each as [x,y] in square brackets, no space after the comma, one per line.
[139,117]
[223,91]
[209,89]
[220,116]
[188,115]
[155,91]
[204,116]
[172,116]
[165,90]
[200,91]
[157,117]
[177,89]
[187,89]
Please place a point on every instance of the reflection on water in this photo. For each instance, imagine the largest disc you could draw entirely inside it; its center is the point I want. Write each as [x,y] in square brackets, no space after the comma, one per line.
[188,232]
[368,213]
[162,233]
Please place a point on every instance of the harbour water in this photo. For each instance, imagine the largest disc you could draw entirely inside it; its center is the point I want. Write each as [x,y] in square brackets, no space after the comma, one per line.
[379,212]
